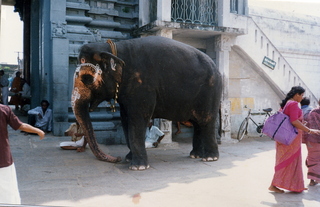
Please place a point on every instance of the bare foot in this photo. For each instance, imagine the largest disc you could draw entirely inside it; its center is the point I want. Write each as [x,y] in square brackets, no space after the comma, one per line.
[313,183]
[155,144]
[81,149]
[275,189]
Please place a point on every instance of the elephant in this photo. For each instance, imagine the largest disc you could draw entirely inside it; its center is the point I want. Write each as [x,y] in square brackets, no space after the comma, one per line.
[150,77]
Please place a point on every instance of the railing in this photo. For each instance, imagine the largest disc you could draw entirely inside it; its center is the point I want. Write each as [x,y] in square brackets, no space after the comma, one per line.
[257,46]
[202,12]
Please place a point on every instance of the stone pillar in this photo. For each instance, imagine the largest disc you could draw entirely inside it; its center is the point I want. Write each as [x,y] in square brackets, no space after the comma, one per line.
[60,63]
[165,125]
[223,47]
[164,10]
[164,14]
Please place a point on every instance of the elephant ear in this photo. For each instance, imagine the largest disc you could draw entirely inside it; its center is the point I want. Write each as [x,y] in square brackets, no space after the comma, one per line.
[113,64]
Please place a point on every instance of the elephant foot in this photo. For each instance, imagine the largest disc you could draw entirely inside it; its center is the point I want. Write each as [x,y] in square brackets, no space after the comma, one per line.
[194,156]
[209,159]
[139,168]
[129,157]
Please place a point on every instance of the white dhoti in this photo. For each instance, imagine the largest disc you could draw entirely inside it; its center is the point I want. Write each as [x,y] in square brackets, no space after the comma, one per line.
[72,145]
[5,92]
[9,192]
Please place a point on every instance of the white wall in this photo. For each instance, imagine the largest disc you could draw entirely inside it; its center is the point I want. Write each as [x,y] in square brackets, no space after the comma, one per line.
[296,36]
[11,38]
[247,88]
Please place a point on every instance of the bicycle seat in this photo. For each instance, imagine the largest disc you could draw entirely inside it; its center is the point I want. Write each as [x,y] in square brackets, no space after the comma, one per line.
[267,110]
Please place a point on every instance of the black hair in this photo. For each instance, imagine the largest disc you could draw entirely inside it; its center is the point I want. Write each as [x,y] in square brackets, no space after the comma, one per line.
[45,101]
[294,90]
[305,101]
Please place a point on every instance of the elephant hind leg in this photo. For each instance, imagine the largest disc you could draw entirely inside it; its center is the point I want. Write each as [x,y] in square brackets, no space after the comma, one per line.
[197,150]
[204,143]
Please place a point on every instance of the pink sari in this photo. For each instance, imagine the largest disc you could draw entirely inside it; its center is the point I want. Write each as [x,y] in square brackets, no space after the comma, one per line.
[313,145]
[288,170]
[313,161]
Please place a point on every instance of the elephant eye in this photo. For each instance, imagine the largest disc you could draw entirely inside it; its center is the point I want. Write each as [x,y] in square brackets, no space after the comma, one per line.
[87,79]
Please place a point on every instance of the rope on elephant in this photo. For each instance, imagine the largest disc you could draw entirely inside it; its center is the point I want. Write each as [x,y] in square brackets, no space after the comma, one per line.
[115,53]
[113,47]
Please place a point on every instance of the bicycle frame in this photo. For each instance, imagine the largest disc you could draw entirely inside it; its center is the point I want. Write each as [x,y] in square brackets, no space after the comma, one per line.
[243,129]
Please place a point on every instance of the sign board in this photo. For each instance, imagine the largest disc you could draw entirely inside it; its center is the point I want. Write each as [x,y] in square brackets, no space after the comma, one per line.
[268,62]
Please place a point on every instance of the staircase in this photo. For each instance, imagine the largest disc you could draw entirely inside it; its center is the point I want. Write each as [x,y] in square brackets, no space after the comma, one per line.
[254,47]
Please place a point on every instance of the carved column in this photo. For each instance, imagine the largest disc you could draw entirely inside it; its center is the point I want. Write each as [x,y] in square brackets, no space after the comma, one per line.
[223,47]
[164,14]
[60,62]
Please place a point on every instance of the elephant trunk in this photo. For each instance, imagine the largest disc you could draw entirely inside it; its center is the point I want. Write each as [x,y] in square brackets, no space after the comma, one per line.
[81,112]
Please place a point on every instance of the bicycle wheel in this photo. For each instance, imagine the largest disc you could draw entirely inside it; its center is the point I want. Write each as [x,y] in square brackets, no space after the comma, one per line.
[243,129]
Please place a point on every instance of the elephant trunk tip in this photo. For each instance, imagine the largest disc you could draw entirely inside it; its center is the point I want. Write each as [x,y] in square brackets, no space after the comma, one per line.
[109,158]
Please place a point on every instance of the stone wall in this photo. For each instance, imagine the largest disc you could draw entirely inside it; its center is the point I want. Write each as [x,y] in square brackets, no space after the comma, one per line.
[296,36]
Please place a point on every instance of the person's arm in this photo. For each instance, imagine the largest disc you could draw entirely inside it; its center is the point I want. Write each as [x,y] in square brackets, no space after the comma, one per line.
[78,134]
[304,128]
[28,128]
[34,111]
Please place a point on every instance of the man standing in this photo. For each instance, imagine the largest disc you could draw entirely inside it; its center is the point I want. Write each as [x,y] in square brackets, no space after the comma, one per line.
[9,192]
[4,83]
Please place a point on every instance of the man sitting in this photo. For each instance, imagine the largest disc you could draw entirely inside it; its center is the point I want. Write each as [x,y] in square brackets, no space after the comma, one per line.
[41,117]
[153,136]
[77,138]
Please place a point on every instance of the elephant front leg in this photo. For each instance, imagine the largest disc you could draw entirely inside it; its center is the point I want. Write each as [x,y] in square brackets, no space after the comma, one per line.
[139,159]
[138,153]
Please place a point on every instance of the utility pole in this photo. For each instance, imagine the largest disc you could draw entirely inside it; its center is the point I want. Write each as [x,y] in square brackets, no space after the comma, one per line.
[18,59]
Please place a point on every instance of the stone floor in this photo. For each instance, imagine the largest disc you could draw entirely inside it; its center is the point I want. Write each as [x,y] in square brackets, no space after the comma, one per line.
[50,176]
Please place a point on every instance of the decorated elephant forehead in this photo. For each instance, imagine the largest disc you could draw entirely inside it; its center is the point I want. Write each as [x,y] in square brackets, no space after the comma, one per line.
[89,66]
[91,69]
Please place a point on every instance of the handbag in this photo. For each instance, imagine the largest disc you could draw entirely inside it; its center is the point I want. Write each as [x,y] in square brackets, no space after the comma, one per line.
[279,128]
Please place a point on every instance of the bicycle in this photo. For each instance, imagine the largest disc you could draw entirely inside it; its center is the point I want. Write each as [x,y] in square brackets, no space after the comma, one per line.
[243,130]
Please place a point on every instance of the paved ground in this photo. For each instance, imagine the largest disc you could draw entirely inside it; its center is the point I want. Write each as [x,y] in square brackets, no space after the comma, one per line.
[49,176]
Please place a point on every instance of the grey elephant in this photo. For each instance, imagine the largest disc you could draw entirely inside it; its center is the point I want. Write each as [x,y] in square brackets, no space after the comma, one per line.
[150,77]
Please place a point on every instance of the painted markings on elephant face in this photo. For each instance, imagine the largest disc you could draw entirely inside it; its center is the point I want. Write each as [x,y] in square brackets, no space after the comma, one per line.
[92,70]
[75,96]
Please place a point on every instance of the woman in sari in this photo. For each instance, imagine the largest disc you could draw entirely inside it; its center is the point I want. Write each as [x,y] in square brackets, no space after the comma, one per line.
[288,170]
[16,88]
[313,145]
